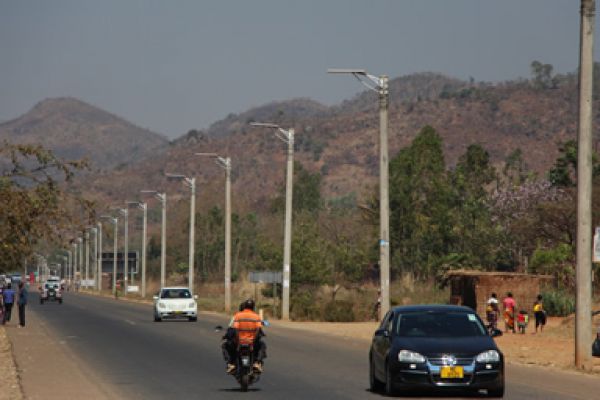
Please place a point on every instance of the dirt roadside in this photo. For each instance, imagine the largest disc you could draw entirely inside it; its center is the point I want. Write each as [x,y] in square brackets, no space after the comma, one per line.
[44,367]
[9,379]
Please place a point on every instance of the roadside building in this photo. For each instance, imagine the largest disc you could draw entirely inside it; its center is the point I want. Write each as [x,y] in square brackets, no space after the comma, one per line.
[472,288]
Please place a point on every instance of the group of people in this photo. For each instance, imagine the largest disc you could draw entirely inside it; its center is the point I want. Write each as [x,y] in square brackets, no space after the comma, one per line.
[510,315]
[8,297]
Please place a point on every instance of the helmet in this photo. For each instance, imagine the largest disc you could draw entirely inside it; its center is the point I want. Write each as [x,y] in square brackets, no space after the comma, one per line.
[249,304]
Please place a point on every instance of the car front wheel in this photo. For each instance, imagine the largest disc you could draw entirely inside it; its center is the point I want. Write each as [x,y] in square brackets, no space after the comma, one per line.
[389,382]
[375,384]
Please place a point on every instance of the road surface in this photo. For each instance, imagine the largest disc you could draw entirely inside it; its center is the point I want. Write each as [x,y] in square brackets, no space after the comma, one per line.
[132,357]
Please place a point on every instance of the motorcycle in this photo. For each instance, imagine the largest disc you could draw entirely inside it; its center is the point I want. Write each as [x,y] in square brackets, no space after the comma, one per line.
[245,373]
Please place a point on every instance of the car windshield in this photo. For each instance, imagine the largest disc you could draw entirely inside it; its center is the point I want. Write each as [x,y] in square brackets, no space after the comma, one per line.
[175,294]
[439,324]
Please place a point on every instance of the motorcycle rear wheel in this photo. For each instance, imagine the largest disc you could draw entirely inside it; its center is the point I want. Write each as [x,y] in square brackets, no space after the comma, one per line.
[244,382]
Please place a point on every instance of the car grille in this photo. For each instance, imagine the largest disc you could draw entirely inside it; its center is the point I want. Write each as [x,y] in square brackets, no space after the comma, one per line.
[175,307]
[459,361]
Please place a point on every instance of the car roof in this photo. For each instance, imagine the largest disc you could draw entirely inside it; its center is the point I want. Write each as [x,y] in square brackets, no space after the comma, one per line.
[175,288]
[432,307]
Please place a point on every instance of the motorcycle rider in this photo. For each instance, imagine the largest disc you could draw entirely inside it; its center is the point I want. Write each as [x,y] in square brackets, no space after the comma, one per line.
[244,328]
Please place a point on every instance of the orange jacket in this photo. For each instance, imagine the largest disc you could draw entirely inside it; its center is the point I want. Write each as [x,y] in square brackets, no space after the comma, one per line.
[247,323]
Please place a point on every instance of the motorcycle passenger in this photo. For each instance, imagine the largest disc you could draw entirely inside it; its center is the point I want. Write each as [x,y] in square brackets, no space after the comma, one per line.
[244,328]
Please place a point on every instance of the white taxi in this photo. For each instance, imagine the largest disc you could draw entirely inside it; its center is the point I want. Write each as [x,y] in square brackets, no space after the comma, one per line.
[175,302]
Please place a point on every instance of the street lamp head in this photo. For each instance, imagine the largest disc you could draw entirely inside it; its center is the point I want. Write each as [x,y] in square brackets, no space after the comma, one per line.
[148,191]
[175,176]
[207,154]
[346,71]
[265,124]
[110,218]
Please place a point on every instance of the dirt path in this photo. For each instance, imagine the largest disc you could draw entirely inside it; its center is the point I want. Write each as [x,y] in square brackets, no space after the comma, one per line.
[47,369]
[9,380]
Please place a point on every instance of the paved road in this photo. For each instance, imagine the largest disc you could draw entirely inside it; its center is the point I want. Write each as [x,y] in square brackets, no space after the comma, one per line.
[140,359]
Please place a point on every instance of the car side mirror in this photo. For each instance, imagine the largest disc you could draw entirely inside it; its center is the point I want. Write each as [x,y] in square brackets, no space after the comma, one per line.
[155,298]
[218,328]
[382,332]
[496,333]
[195,297]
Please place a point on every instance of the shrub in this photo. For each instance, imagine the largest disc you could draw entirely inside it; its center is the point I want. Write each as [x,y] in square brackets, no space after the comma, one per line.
[558,303]
[339,311]
[304,307]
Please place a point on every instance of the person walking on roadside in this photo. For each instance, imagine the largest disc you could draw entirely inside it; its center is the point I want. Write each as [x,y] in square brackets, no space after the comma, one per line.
[9,298]
[539,313]
[22,302]
[491,312]
[509,312]
[1,304]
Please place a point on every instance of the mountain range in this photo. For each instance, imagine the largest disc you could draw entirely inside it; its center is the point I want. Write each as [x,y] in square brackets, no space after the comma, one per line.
[340,142]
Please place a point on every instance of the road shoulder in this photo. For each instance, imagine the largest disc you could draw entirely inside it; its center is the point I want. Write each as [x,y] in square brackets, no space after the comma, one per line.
[9,378]
[48,369]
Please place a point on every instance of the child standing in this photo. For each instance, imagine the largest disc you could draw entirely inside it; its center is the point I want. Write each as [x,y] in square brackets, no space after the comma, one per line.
[539,313]
[522,321]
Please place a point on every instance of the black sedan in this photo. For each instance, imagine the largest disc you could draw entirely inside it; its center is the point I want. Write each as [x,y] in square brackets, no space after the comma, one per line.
[434,347]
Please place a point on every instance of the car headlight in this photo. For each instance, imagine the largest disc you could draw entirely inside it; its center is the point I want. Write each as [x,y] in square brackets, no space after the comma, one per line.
[161,305]
[192,304]
[488,357]
[408,356]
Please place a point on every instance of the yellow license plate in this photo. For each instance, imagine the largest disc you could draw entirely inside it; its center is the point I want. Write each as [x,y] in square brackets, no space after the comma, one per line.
[452,373]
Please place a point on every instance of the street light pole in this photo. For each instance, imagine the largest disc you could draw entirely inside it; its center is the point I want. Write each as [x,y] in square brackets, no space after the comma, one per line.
[286,136]
[99,258]
[125,213]
[86,239]
[115,222]
[225,163]
[380,85]
[162,197]
[583,312]
[191,183]
[95,252]
[80,262]
[144,208]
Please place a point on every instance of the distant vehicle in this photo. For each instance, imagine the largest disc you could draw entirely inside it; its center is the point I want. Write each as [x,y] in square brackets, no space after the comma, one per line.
[51,290]
[435,347]
[175,302]
[14,279]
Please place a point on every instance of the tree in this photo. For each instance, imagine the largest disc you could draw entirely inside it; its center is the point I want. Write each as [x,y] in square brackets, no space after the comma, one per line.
[31,201]
[542,75]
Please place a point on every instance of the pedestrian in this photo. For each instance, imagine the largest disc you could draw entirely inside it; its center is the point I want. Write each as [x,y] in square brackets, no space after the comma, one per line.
[491,312]
[9,298]
[509,312]
[539,313]
[522,321]
[1,304]
[22,302]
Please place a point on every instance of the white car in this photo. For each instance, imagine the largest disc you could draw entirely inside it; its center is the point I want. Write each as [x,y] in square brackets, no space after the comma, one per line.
[175,302]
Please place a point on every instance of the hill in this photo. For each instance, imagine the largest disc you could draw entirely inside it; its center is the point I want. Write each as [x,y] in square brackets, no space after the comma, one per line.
[74,130]
[341,142]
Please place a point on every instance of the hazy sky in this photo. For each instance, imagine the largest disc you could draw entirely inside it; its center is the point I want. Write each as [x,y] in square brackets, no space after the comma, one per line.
[171,66]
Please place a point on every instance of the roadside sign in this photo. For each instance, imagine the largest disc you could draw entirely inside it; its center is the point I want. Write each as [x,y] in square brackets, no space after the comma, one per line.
[596,251]
[265,276]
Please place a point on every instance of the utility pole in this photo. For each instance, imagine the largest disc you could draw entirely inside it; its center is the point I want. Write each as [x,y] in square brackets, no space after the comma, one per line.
[583,312]
[286,136]
[225,163]
[162,197]
[380,85]
[125,213]
[99,259]
[86,239]
[144,208]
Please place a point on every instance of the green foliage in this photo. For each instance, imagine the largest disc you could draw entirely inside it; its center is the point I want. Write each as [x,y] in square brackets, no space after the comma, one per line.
[339,311]
[556,261]
[306,194]
[303,306]
[542,76]
[559,303]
